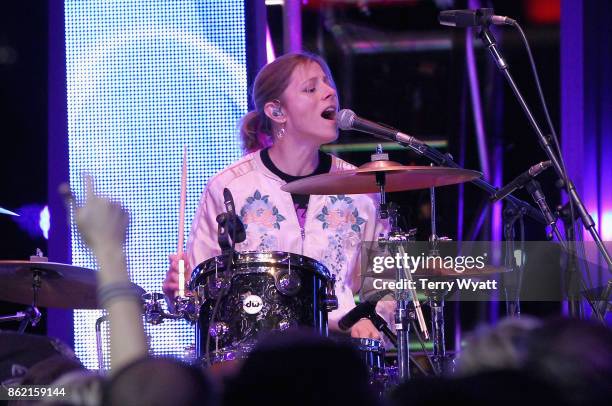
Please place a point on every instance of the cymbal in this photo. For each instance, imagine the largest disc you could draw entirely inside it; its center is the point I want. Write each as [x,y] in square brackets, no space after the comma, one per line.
[5,211]
[487,270]
[363,179]
[61,285]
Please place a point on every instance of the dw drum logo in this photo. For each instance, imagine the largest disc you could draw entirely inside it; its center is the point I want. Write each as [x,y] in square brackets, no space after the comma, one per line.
[252,304]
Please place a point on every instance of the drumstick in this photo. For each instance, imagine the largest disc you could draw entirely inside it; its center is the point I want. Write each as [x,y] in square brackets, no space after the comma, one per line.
[181,225]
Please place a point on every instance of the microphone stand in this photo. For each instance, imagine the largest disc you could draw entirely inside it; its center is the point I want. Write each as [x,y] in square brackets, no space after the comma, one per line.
[512,283]
[535,190]
[489,41]
[441,159]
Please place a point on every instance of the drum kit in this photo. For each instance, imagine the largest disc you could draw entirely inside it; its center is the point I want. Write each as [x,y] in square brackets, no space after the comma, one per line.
[235,298]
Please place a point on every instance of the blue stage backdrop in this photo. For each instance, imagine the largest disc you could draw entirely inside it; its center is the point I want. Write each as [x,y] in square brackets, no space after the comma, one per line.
[145,78]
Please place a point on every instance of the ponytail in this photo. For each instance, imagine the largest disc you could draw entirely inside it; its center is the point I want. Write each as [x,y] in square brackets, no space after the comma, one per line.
[254,133]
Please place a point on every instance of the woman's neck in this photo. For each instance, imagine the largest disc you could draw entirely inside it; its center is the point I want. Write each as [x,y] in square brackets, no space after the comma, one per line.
[294,160]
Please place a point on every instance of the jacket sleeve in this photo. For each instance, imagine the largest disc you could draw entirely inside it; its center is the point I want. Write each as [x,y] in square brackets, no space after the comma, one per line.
[202,242]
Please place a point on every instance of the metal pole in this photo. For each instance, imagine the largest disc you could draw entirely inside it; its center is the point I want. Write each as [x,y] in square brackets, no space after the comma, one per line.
[292,26]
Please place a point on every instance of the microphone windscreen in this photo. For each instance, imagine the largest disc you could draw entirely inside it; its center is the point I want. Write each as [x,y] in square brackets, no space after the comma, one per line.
[345,119]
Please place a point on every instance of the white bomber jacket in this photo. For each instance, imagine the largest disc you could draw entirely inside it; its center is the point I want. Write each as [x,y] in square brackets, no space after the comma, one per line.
[333,230]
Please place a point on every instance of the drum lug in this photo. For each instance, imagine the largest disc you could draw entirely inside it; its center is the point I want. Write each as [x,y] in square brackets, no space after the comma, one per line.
[330,303]
[329,300]
[288,283]
[218,330]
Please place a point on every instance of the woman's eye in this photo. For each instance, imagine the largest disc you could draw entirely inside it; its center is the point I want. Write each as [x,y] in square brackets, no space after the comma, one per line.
[310,90]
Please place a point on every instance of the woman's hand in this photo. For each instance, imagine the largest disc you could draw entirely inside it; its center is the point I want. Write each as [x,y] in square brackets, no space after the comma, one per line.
[365,329]
[170,286]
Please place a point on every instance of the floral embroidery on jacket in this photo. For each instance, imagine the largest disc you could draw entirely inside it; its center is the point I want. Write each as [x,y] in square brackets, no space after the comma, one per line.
[340,214]
[259,212]
[341,218]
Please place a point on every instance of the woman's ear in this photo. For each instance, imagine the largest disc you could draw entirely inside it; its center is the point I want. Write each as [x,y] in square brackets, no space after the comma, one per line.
[275,112]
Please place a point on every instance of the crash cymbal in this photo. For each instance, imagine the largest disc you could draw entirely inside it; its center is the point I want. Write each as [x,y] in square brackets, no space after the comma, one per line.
[5,211]
[363,179]
[61,285]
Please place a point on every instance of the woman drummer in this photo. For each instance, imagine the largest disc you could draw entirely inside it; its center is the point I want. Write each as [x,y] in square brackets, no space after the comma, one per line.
[295,103]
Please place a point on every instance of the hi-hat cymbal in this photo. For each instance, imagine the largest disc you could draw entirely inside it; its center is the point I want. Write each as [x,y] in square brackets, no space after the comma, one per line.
[487,270]
[363,179]
[61,285]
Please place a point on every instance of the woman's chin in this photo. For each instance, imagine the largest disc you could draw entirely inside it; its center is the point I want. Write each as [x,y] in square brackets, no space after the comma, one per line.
[328,137]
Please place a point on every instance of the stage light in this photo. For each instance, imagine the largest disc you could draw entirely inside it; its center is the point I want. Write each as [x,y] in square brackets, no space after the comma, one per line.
[45,221]
[143,79]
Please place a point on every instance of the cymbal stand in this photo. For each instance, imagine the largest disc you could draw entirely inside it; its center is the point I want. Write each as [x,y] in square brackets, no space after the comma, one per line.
[436,299]
[402,317]
[402,323]
[395,242]
[99,350]
[31,315]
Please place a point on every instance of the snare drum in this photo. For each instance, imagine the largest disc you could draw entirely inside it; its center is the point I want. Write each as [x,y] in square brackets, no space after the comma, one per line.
[266,291]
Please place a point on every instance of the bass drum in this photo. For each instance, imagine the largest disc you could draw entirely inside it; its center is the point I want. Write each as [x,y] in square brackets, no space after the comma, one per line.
[265,291]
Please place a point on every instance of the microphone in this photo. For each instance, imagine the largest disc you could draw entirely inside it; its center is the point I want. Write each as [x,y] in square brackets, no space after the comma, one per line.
[472,18]
[348,120]
[364,309]
[520,180]
[234,224]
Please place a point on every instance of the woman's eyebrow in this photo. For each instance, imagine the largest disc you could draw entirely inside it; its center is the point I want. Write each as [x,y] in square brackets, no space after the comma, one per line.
[309,80]
[323,78]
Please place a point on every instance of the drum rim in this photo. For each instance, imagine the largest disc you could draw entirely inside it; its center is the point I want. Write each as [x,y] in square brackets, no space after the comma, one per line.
[368,344]
[258,259]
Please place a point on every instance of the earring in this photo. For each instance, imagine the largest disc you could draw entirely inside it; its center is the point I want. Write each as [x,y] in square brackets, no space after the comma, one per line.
[281,132]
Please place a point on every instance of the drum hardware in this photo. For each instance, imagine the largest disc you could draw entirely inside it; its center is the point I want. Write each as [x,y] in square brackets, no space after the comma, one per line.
[287,283]
[436,302]
[99,350]
[380,179]
[31,315]
[186,308]
[372,352]
[329,300]
[396,238]
[219,329]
